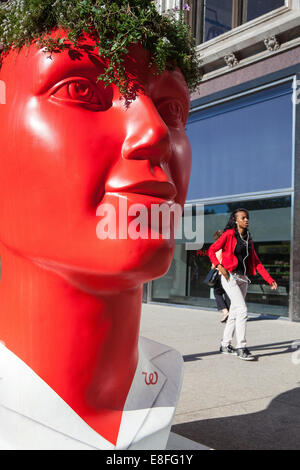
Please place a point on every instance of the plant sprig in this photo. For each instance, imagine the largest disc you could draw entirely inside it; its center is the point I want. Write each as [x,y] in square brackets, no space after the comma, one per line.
[113,24]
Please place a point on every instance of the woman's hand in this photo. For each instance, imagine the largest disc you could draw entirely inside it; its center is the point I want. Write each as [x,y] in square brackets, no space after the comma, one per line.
[274,285]
[223,271]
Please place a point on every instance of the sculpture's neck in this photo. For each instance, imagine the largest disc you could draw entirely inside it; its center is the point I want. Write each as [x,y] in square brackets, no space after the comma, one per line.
[85,346]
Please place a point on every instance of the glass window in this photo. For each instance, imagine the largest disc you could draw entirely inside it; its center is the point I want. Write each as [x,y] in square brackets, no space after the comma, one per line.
[270,227]
[217,18]
[211,18]
[255,8]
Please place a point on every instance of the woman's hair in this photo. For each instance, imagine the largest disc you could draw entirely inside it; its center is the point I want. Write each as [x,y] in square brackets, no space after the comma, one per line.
[231,221]
[217,234]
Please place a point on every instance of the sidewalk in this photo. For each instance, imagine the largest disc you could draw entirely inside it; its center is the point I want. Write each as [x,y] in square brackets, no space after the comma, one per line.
[227,403]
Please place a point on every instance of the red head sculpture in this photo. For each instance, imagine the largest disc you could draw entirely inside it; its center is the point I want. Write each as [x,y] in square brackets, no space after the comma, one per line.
[70,302]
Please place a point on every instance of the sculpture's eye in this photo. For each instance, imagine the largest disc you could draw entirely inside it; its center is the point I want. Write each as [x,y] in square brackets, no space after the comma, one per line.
[172,113]
[82,92]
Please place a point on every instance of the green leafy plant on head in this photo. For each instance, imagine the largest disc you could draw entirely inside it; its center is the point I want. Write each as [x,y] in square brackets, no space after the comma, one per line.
[113,24]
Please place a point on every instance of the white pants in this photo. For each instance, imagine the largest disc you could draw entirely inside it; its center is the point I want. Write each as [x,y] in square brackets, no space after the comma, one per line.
[236,289]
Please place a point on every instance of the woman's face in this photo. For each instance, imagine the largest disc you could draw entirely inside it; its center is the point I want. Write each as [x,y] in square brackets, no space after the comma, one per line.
[69,145]
[242,219]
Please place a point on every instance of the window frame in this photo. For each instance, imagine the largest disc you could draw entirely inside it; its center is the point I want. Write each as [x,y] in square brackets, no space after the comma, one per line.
[196,17]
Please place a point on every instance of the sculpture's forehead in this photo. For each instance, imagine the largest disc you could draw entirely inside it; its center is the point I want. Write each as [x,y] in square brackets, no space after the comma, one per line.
[45,65]
[47,69]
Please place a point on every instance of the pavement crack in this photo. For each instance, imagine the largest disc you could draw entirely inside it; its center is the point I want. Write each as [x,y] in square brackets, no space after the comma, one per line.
[223,406]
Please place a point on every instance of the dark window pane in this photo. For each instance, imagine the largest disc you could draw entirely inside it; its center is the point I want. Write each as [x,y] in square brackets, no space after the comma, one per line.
[218,18]
[257,8]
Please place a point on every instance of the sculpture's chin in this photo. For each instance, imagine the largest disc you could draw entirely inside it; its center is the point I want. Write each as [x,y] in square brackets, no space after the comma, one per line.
[139,261]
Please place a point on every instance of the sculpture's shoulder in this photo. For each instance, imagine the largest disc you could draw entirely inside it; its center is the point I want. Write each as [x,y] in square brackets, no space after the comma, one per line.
[36,417]
[165,358]
[157,351]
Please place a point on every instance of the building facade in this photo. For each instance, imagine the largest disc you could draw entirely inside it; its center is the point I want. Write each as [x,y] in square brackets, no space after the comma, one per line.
[244,129]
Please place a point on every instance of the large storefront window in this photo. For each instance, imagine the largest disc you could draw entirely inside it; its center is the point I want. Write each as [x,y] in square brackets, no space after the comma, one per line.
[270,227]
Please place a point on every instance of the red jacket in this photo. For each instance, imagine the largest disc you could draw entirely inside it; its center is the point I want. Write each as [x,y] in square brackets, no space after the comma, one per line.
[227,242]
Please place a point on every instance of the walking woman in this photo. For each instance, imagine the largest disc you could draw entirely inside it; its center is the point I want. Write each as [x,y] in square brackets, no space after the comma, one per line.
[239,259]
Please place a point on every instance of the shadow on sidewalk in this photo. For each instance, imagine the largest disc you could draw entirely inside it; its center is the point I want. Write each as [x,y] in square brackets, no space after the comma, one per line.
[264,317]
[275,428]
[282,347]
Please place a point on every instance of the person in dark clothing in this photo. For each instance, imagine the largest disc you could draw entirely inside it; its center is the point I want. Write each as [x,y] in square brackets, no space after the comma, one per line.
[239,260]
[222,299]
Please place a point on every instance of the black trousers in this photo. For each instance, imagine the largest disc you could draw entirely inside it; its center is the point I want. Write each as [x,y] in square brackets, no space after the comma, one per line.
[222,299]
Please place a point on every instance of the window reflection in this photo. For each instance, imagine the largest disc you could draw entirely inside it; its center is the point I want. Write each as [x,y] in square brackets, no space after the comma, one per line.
[218,18]
[256,8]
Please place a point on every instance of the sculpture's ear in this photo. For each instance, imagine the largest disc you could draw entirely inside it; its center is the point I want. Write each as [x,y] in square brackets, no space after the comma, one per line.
[2,92]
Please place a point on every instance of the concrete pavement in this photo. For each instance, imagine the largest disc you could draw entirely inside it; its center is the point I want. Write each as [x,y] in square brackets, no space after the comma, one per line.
[227,403]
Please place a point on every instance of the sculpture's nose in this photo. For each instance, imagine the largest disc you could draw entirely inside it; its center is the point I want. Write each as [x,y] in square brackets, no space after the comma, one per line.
[147,135]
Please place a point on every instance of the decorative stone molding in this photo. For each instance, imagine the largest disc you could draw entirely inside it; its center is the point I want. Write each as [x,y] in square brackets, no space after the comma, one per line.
[272,43]
[231,60]
[247,41]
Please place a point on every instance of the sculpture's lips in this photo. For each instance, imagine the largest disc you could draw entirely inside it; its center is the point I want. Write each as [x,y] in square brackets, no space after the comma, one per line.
[160,189]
